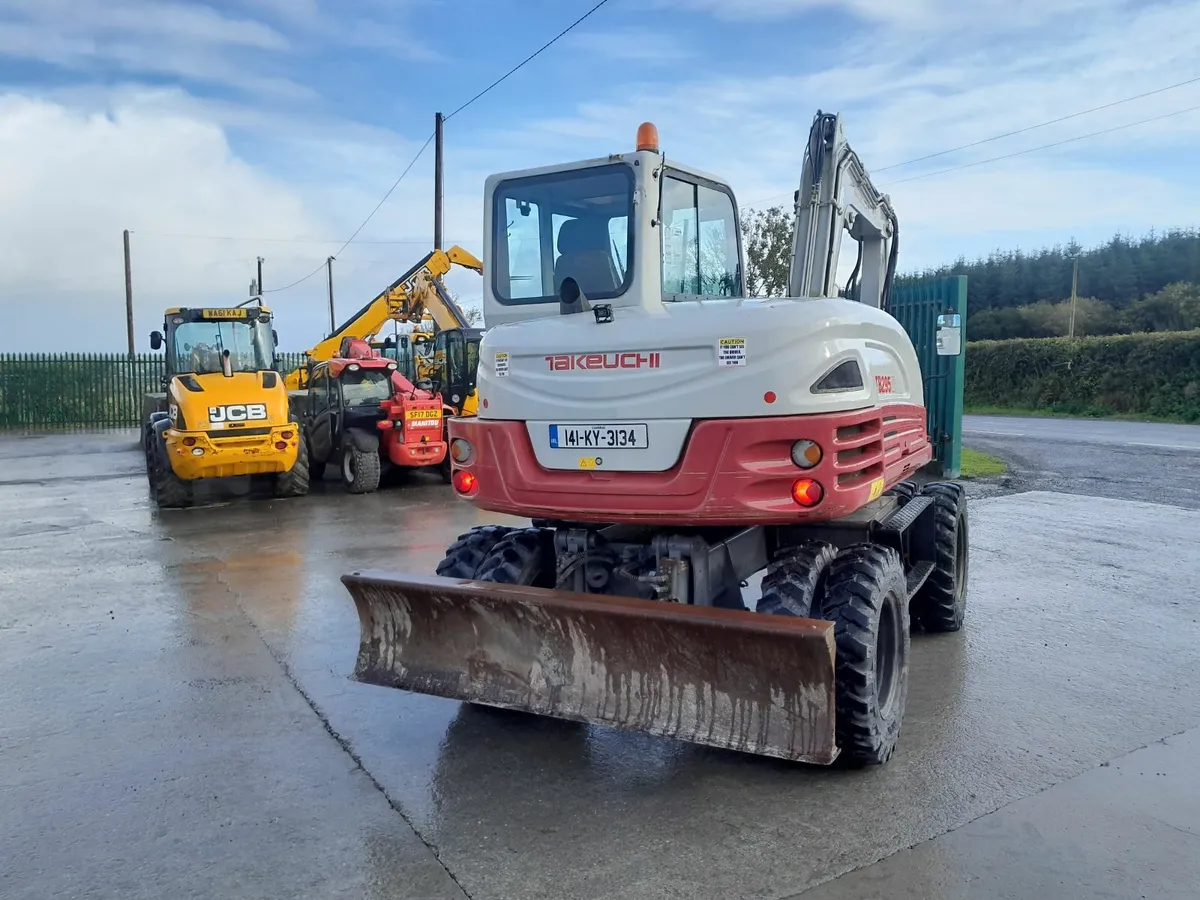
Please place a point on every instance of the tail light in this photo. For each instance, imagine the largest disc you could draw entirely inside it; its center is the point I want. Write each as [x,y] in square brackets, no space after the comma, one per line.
[806,492]
[806,454]
[461,451]
[286,435]
[465,482]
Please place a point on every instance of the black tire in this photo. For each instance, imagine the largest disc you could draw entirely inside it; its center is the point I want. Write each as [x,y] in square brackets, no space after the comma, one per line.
[941,603]
[168,489]
[294,482]
[360,470]
[794,583]
[520,557]
[866,598]
[905,491]
[464,556]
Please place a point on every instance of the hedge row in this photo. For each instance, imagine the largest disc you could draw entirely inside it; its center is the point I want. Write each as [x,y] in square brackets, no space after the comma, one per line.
[1142,374]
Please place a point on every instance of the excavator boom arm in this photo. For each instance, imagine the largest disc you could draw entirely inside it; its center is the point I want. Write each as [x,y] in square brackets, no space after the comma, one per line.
[836,194]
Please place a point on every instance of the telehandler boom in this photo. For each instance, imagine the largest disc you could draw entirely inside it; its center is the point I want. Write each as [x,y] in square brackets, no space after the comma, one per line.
[409,298]
[671,439]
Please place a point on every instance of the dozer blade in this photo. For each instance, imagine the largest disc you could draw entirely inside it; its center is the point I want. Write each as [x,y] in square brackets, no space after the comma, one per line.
[724,678]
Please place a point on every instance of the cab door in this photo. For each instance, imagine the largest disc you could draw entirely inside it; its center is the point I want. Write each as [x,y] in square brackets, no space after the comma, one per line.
[322,413]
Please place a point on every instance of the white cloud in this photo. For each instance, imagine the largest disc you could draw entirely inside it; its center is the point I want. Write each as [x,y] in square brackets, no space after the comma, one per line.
[74,180]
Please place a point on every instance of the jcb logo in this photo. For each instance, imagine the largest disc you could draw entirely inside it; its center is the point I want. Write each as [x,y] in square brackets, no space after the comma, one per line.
[249,412]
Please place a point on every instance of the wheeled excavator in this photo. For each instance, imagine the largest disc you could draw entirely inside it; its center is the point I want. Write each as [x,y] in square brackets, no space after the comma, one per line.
[670,441]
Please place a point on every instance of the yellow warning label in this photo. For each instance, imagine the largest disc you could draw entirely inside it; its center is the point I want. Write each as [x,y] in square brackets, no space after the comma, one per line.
[589,462]
[876,490]
[731,351]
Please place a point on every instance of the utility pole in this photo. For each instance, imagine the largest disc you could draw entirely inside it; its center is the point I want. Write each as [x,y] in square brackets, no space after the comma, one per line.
[260,288]
[1074,290]
[437,181]
[329,267]
[128,296]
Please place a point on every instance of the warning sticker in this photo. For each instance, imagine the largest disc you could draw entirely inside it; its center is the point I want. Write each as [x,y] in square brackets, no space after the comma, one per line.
[501,365]
[876,490]
[731,352]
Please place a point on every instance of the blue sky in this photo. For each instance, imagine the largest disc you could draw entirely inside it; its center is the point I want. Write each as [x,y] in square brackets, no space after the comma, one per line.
[276,125]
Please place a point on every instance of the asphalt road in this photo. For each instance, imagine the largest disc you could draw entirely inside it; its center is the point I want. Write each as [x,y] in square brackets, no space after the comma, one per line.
[176,719]
[1154,462]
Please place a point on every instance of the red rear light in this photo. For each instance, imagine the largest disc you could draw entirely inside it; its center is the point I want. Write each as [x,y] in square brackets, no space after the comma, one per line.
[465,482]
[189,442]
[281,445]
[807,492]
[286,435]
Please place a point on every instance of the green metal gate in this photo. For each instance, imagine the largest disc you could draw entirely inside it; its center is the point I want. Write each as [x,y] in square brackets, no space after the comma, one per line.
[934,312]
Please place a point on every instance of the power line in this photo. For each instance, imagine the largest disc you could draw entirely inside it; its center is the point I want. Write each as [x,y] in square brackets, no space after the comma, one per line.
[319,268]
[495,83]
[1006,134]
[1073,115]
[527,59]
[269,240]
[1072,140]
[395,184]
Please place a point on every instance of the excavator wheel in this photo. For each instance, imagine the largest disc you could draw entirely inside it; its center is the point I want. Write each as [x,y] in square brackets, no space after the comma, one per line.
[905,491]
[523,557]
[168,489]
[360,470]
[294,482]
[794,583]
[941,603]
[866,598]
[465,555]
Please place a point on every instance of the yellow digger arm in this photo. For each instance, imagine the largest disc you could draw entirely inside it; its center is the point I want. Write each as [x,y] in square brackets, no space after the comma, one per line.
[405,300]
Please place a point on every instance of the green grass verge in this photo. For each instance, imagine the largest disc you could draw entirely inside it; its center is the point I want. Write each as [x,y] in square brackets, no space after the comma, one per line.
[980,465]
[1059,414]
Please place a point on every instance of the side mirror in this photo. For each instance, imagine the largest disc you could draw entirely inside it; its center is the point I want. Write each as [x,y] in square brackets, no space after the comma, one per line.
[949,335]
[156,340]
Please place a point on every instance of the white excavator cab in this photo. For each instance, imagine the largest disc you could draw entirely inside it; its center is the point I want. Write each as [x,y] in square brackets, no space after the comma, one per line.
[631,229]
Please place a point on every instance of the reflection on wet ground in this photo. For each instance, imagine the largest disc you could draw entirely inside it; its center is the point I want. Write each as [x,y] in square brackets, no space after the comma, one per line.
[178,717]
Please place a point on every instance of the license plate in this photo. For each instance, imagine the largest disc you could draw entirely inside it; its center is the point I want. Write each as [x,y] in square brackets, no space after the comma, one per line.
[600,437]
[424,414]
[223,313]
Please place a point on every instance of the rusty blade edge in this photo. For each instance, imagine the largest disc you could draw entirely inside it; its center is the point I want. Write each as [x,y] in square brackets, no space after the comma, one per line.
[741,619]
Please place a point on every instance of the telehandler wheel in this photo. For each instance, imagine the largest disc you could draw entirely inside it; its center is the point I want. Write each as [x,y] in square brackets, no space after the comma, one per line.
[360,470]
[941,603]
[866,598]
[464,556]
[795,582]
[168,489]
[520,557]
[294,482]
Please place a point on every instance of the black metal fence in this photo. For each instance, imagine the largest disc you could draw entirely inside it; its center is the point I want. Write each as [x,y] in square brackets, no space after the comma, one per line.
[46,391]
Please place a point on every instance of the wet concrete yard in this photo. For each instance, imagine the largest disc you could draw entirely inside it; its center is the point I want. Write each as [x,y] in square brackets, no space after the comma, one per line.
[176,720]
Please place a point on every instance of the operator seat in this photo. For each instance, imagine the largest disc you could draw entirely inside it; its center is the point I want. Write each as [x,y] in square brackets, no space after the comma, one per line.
[583,245]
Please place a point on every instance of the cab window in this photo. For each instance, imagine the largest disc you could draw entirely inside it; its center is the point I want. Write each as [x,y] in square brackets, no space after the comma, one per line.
[575,224]
[699,240]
